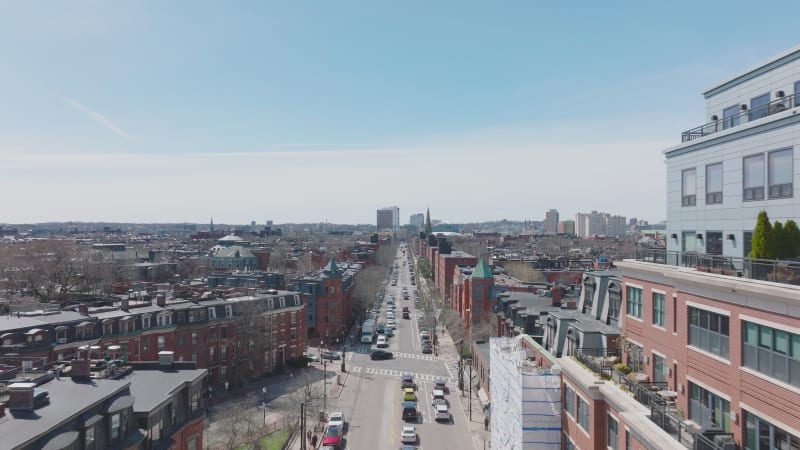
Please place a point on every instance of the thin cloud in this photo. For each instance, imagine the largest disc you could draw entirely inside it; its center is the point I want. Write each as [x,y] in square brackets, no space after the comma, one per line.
[97,117]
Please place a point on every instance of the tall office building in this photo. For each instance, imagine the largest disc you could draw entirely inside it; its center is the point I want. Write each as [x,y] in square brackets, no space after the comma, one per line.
[599,224]
[551,221]
[389,218]
[417,220]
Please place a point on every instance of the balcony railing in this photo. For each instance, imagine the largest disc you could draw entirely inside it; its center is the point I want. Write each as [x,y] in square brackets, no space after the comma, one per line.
[777,271]
[745,115]
[601,361]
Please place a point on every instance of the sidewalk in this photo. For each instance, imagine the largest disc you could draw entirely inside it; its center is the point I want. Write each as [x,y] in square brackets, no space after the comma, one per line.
[336,391]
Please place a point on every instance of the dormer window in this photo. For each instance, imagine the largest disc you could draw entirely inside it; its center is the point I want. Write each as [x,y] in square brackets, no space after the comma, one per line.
[212,313]
[164,319]
[282,302]
[228,311]
[270,303]
[146,321]
[296,300]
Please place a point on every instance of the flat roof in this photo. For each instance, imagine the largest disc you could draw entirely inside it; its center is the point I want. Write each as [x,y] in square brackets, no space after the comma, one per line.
[153,387]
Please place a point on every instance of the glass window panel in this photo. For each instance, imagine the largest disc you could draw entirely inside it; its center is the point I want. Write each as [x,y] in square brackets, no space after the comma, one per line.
[714,178]
[759,107]
[750,333]
[780,167]
[730,116]
[765,337]
[781,341]
[689,182]
[754,177]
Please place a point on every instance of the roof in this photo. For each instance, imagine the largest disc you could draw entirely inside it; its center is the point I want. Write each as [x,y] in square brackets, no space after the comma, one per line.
[482,270]
[231,238]
[331,270]
[153,387]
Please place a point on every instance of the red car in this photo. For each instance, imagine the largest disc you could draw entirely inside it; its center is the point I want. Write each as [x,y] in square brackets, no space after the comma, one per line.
[333,436]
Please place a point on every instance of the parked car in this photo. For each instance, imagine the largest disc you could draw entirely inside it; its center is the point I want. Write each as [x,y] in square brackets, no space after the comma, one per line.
[443,413]
[336,419]
[407,381]
[409,395]
[311,356]
[389,332]
[408,435]
[427,349]
[442,386]
[380,354]
[331,355]
[382,342]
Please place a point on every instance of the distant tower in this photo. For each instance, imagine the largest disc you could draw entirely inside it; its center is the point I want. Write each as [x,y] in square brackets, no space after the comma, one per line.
[428,227]
[212,224]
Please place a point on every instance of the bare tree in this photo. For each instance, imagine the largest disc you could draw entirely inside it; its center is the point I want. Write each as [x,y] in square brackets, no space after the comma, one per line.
[192,266]
[252,351]
[367,284]
[240,424]
[53,268]
[523,271]
[452,320]
[481,331]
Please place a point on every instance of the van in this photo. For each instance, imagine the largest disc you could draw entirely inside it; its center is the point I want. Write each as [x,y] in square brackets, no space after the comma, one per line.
[438,397]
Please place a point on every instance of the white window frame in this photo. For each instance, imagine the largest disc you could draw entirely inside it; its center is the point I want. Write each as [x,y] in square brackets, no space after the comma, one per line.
[212,313]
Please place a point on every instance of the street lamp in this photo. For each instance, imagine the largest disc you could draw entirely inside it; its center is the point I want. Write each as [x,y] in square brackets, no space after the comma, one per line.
[264,402]
[324,381]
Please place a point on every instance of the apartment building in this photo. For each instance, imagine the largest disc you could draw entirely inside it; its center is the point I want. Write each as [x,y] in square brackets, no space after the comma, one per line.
[388,218]
[330,308]
[551,221]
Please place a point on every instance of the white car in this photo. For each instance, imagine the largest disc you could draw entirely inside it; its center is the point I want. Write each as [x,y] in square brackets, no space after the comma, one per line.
[382,341]
[408,435]
[311,356]
[336,419]
[392,325]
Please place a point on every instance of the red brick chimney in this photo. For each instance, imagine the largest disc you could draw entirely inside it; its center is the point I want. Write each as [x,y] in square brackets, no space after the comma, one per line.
[20,396]
[83,309]
[556,293]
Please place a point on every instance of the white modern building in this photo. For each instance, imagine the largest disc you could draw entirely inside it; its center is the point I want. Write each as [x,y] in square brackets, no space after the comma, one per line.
[417,220]
[599,224]
[388,218]
[740,162]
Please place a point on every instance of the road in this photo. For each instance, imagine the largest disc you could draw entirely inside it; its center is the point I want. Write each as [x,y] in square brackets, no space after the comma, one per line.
[372,399]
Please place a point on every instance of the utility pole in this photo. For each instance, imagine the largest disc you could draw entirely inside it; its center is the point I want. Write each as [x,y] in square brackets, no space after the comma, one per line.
[325,387]
[264,402]
[303,426]
[470,389]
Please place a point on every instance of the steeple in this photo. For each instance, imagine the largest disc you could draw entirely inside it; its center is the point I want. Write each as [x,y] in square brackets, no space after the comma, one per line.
[428,227]
[331,270]
[212,224]
[482,270]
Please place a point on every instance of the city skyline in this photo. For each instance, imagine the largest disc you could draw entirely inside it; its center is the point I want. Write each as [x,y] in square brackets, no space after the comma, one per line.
[148,112]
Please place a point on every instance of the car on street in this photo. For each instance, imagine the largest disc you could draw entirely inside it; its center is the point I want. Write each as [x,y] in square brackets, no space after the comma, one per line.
[331,355]
[382,342]
[407,381]
[427,349]
[441,385]
[409,395]
[438,397]
[410,412]
[336,419]
[442,413]
[392,324]
[408,435]
[389,332]
[311,356]
[380,354]
[332,436]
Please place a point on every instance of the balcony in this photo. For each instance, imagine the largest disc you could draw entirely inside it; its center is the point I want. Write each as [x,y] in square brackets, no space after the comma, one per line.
[657,397]
[744,116]
[776,271]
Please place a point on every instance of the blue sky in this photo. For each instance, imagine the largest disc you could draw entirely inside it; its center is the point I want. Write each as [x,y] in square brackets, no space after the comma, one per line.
[313,111]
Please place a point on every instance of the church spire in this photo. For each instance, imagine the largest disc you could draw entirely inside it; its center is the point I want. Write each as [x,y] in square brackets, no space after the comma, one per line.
[428,227]
[212,224]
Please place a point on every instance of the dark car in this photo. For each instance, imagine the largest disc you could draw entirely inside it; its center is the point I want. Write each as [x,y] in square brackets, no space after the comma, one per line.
[441,385]
[427,349]
[407,381]
[410,412]
[380,354]
[381,328]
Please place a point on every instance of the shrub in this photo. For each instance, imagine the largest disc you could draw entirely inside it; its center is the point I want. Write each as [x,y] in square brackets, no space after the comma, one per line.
[622,368]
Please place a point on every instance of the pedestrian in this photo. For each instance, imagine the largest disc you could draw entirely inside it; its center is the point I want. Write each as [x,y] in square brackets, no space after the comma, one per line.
[314,441]
[308,435]
[486,423]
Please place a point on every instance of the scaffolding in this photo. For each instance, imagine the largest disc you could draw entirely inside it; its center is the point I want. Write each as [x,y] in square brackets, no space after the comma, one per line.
[526,399]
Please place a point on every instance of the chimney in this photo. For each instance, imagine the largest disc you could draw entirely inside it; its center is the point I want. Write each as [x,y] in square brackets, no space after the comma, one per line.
[125,304]
[571,304]
[555,293]
[20,396]
[161,300]
[165,358]
[83,309]
[81,369]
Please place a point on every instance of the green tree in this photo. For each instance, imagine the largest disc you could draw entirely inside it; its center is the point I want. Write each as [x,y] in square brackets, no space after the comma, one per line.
[763,245]
[778,235]
[791,234]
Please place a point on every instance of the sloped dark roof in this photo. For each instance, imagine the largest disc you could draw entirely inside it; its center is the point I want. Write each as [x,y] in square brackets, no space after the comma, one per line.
[482,270]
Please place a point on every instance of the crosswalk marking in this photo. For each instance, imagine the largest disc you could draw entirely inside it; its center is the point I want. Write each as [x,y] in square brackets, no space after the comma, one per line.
[397,374]
[367,350]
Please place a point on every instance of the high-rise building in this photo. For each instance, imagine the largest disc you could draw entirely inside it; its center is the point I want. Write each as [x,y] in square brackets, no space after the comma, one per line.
[566,227]
[389,218]
[551,221]
[417,220]
[599,224]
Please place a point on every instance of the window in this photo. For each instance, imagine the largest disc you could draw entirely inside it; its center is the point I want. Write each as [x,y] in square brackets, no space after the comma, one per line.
[708,409]
[759,434]
[613,433]
[212,353]
[709,331]
[282,301]
[296,300]
[689,187]
[660,369]
[228,311]
[797,94]
[162,343]
[146,343]
[164,319]
[194,357]
[747,237]
[115,427]
[194,337]
[714,242]
[754,178]
[223,332]
[659,309]
[212,313]
[615,301]
[89,438]
[293,317]
[759,107]
[223,353]
[730,116]
[583,414]
[180,339]
[780,173]
[270,303]
[714,184]
[773,352]
[588,294]
[293,334]
[634,304]
[569,400]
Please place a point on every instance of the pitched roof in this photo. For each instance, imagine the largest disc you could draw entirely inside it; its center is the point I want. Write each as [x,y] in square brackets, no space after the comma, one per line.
[482,270]
[331,270]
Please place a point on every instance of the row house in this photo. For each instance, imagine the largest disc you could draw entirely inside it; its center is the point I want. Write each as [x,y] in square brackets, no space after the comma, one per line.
[152,405]
[330,307]
[445,269]
[472,293]
[208,332]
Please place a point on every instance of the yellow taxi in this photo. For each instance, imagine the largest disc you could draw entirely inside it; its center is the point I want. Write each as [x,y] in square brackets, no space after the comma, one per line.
[409,395]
